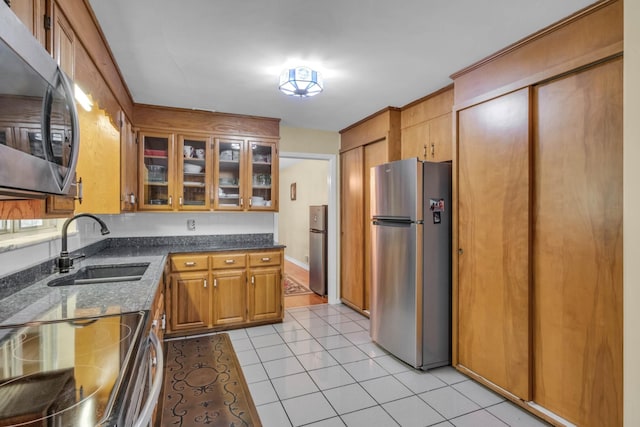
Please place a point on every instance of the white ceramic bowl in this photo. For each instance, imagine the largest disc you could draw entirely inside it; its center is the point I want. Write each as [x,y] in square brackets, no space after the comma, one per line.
[257,201]
[191,168]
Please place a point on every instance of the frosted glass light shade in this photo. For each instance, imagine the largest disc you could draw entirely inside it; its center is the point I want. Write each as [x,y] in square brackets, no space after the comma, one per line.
[300,81]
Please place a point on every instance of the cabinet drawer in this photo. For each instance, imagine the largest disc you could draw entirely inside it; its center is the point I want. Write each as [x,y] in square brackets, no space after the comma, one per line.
[228,261]
[189,262]
[259,259]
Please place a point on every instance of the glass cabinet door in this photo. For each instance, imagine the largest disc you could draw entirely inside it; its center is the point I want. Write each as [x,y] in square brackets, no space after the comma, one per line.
[194,155]
[229,174]
[156,171]
[263,164]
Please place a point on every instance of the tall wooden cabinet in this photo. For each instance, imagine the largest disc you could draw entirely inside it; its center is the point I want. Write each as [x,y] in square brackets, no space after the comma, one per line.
[493,241]
[538,230]
[370,142]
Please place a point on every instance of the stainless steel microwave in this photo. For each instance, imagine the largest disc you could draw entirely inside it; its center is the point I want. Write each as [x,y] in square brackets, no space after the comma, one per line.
[38,117]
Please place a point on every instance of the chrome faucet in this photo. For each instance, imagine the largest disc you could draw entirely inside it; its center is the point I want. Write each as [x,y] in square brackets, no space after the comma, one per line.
[64,263]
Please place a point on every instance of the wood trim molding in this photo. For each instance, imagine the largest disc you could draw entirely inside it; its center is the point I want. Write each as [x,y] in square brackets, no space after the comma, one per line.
[587,36]
[185,120]
[504,393]
[571,66]
[426,97]
[369,117]
[531,38]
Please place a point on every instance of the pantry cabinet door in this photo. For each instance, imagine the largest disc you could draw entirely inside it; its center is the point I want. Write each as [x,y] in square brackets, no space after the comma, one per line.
[577,249]
[493,242]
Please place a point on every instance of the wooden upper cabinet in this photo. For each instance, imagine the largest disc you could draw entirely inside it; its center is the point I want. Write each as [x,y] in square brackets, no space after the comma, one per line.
[64,42]
[493,240]
[128,165]
[427,132]
[246,174]
[156,170]
[195,172]
[31,13]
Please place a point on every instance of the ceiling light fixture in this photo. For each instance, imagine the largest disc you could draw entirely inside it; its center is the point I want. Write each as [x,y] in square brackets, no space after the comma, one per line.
[300,81]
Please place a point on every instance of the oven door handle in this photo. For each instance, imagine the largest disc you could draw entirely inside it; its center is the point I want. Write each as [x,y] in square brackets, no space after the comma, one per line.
[145,415]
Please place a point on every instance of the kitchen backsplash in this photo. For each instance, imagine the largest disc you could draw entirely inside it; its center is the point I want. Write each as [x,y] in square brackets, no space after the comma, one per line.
[139,225]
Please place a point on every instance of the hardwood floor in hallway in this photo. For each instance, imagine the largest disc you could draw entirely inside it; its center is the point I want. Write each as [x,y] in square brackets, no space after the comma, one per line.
[301,276]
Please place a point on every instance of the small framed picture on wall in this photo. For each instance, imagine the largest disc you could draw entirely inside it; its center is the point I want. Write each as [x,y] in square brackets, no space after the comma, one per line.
[292,191]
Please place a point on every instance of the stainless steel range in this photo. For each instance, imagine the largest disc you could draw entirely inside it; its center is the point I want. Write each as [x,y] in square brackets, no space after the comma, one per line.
[72,372]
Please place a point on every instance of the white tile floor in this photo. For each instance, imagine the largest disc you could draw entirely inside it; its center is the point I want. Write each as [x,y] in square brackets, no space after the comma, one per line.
[320,368]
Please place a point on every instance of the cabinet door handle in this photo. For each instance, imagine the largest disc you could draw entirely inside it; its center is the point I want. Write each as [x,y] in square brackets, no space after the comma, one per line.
[215,283]
[164,321]
[250,203]
[180,200]
[266,259]
[424,151]
[190,264]
[253,280]
[433,150]
[170,200]
[205,283]
[241,202]
[229,261]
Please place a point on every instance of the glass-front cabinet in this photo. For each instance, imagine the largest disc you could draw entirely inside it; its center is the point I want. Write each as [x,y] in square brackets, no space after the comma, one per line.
[195,177]
[197,172]
[263,163]
[245,174]
[156,173]
[229,174]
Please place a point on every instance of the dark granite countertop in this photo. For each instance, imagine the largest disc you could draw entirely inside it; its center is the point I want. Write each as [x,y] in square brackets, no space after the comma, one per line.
[25,296]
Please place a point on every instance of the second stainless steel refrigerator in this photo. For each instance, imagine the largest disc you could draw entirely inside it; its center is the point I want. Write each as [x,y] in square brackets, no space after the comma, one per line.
[318,249]
[411,261]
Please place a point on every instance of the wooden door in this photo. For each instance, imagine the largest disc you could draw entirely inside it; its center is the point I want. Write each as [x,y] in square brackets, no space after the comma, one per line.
[440,138]
[229,297]
[190,301]
[265,294]
[493,267]
[374,155]
[577,249]
[352,227]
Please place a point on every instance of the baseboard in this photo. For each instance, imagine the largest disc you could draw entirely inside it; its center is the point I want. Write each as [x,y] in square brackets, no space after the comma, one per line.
[296,262]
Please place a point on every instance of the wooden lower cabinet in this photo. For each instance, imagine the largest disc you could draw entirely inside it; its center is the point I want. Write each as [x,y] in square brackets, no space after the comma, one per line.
[230,290]
[265,294]
[190,301]
[229,297]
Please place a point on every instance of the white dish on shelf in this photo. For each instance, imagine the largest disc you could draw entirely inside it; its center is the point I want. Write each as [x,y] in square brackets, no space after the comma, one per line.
[191,168]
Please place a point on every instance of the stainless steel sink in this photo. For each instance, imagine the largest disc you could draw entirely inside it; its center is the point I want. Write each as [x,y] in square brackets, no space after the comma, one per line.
[107,273]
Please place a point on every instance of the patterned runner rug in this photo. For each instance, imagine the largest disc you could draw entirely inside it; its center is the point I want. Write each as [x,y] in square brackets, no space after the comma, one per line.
[291,287]
[204,385]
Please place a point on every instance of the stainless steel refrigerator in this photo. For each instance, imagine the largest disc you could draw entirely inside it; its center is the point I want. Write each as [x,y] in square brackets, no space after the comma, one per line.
[318,249]
[411,261]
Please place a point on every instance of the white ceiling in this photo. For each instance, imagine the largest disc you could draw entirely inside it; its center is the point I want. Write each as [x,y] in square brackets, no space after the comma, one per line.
[226,55]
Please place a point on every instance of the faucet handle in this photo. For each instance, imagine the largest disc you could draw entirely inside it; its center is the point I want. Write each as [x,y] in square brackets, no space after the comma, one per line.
[77,257]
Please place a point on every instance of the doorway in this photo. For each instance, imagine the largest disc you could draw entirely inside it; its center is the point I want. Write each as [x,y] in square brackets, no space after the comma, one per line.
[307,179]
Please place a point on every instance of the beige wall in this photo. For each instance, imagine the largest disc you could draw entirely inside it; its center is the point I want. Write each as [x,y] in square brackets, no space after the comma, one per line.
[310,177]
[297,140]
[631,213]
